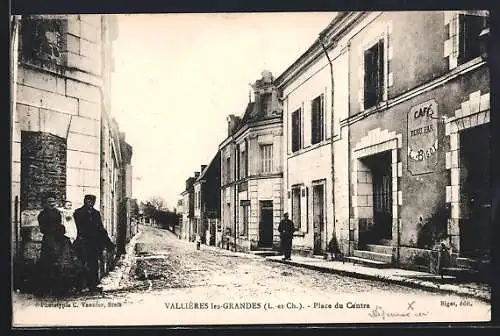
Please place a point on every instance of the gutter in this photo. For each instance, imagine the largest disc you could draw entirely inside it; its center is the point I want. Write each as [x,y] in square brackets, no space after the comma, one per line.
[332,128]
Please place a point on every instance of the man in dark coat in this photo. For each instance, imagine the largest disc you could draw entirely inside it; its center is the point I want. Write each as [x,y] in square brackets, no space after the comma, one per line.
[92,239]
[286,229]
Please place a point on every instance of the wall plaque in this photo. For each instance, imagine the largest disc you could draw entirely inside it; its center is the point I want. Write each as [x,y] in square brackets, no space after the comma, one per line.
[422,138]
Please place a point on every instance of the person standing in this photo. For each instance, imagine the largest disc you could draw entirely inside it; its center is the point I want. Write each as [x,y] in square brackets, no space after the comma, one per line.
[92,239]
[286,229]
[58,266]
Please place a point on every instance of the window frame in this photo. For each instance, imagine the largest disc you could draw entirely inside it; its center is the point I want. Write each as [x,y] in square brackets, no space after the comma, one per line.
[378,71]
[266,162]
[318,115]
[296,134]
[296,189]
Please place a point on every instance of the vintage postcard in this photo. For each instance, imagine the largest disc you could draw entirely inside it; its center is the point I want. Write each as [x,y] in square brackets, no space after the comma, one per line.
[250,168]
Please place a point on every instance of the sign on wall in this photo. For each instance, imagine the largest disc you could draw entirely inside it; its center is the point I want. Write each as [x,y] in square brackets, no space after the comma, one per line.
[422,138]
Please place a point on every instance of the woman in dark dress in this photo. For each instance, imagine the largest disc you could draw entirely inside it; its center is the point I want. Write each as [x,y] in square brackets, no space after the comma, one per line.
[59,269]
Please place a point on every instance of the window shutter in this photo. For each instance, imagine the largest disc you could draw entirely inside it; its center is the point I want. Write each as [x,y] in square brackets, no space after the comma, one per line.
[314,121]
[289,204]
[303,209]
[242,220]
[305,124]
[322,117]
[380,70]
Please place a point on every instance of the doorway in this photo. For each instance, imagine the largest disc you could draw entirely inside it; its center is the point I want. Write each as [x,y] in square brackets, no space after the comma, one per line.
[266,224]
[380,174]
[319,218]
[475,191]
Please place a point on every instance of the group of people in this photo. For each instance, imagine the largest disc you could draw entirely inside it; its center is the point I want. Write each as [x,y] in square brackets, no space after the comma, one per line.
[72,245]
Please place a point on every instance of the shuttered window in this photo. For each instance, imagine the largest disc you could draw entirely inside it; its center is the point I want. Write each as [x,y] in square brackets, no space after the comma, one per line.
[266,154]
[374,74]
[470,27]
[296,130]
[296,208]
[317,120]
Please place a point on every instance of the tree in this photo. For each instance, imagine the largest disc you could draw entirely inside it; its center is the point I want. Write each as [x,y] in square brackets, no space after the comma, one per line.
[157,202]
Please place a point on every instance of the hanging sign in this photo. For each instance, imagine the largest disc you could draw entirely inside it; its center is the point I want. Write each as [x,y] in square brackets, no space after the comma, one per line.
[422,138]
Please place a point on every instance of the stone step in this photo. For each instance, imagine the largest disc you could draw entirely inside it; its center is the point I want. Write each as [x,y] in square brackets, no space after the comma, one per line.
[460,272]
[368,262]
[467,263]
[264,253]
[387,258]
[379,248]
[386,242]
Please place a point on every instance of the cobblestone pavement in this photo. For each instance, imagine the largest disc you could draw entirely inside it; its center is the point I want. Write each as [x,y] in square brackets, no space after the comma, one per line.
[171,282]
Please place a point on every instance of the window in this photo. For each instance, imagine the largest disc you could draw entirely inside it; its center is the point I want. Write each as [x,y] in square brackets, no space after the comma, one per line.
[469,28]
[317,120]
[374,74]
[245,214]
[264,103]
[228,170]
[296,207]
[266,158]
[296,130]
[243,164]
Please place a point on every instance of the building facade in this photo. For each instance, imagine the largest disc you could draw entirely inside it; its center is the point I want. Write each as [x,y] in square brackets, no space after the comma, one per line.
[419,136]
[187,231]
[60,83]
[252,172]
[207,202]
[310,138]
[410,135]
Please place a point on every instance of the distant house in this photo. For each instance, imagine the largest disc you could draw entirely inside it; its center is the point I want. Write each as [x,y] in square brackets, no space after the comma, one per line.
[207,202]
[187,229]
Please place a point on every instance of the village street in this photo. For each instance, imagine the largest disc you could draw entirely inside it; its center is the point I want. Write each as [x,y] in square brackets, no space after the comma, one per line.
[171,282]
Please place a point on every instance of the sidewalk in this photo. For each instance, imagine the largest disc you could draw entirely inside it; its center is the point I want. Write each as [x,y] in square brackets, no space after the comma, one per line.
[415,279]
[114,279]
[403,277]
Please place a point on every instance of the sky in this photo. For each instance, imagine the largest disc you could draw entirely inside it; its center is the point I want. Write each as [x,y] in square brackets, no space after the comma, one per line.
[178,76]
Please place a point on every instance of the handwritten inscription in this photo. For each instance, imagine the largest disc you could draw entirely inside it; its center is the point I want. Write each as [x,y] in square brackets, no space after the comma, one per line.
[411,312]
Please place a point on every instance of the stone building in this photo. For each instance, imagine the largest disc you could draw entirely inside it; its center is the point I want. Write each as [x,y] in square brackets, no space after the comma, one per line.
[187,229]
[207,202]
[60,89]
[410,133]
[251,171]
[308,140]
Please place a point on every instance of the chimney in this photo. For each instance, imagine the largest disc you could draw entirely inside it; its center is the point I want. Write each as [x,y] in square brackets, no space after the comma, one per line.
[196,174]
[203,168]
[232,123]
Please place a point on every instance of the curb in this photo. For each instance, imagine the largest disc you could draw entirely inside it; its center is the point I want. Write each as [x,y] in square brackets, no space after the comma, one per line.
[399,280]
[122,268]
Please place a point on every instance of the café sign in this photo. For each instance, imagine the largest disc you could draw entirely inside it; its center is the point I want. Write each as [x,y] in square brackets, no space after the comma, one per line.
[422,138]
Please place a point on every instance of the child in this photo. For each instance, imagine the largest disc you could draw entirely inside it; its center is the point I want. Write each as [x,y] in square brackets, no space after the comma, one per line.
[68,221]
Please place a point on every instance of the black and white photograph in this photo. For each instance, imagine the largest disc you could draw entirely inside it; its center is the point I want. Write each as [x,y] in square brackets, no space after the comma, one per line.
[258,168]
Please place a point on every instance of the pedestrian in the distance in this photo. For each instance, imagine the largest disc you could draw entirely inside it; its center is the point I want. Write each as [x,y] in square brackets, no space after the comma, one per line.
[286,229]
[92,239]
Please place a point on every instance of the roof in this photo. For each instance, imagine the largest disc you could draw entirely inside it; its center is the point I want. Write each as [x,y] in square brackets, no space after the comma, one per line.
[214,159]
[329,32]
